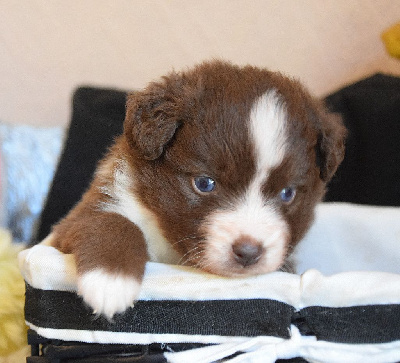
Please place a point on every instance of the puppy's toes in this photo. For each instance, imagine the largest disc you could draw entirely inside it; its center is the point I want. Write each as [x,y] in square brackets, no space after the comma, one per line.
[107,293]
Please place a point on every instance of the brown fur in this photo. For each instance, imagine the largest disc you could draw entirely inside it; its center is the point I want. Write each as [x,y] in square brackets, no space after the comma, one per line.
[94,236]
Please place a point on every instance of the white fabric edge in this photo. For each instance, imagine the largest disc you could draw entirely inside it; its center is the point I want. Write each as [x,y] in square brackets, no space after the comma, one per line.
[260,351]
[109,337]
[44,267]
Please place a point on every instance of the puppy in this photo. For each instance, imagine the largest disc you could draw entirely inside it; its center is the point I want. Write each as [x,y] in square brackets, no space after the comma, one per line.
[219,167]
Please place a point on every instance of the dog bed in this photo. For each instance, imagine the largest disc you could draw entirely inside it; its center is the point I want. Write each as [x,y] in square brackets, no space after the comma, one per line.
[188,316]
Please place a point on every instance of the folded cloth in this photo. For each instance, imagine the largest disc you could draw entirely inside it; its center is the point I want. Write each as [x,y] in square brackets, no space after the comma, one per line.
[351,316]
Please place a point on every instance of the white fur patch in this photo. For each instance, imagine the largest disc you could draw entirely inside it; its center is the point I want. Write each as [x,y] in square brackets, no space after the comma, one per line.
[106,293]
[127,205]
[267,124]
[253,216]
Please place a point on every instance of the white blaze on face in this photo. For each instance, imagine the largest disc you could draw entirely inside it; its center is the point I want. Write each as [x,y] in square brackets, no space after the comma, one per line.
[253,216]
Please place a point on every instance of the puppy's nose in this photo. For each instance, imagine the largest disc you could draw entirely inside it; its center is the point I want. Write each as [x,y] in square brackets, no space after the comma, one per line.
[247,251]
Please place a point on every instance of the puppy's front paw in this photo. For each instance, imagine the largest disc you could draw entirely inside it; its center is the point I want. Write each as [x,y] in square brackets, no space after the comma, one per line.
[108,293]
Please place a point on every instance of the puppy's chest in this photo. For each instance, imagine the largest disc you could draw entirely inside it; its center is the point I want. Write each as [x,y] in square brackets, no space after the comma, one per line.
[116,179]
[159,249]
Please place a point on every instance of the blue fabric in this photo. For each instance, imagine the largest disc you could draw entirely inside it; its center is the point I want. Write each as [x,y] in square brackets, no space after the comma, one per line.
[29,157]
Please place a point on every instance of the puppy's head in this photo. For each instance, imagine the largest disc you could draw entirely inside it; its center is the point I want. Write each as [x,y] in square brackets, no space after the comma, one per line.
[231,161]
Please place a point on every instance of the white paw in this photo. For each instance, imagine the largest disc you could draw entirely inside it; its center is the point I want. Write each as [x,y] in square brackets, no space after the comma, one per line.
[108,293]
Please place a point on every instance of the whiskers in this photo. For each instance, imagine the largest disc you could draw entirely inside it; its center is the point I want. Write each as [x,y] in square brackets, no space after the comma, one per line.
[194,247]
[190,257]
[204,264]
[194,253]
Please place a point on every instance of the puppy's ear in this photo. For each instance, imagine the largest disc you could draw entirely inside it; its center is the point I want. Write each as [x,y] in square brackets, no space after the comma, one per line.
[330,147]
[151,121]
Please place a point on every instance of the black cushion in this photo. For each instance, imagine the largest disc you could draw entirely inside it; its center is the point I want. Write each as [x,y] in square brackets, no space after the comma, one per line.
[97,118]
[370,172]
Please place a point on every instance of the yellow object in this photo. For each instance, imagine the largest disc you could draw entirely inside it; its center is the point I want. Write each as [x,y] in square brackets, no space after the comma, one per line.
[12,297]
[391,38]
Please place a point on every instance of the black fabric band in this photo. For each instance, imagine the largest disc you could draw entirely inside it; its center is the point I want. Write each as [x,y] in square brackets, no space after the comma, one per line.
[253,317]
[366,324]
[370,324]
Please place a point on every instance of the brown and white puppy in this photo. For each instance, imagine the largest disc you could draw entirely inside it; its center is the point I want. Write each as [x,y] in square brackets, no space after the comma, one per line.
[219,167]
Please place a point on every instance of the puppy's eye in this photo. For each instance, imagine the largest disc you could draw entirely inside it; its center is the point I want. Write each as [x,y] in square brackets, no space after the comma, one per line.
[287,194]
[204,184]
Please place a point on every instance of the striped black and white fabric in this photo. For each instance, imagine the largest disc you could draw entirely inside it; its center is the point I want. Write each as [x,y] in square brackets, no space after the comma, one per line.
[351,316]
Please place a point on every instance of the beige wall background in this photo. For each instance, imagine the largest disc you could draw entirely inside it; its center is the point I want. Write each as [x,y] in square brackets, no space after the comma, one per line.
[48,48]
